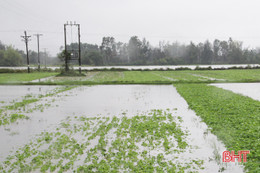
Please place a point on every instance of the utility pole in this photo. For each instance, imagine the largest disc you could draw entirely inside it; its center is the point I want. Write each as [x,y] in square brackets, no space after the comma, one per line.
[26,39]
[79,49]
[69,53]
[38,43]
[45,57]
[66,54]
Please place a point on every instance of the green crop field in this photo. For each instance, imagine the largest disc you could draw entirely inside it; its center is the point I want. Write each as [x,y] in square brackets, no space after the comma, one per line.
[138,77]
[235,119]
[232,75]
[6,78]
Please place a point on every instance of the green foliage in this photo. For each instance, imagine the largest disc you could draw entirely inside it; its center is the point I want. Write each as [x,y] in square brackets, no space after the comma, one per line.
[10,57]
[139,52]
[7,117]
[145,77]
[92,58]
[70,73]
[103,144]
[246,75]
[7,78]
[21,104]
[14,117]
[232,117]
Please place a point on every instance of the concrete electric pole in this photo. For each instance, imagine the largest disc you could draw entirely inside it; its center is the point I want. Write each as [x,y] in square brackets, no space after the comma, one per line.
[38,44]
[26,39]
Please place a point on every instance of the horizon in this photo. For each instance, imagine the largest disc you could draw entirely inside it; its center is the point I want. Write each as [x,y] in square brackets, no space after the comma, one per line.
[181,21]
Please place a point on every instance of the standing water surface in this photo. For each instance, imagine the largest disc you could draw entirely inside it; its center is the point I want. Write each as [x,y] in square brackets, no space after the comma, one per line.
[119,101]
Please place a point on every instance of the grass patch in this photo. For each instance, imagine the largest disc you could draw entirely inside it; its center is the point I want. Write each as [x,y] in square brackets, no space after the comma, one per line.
[180,76]
[234,119]
[70,73]
[232,75]
[106,76]
[7,78]
[134,77]
[142,76]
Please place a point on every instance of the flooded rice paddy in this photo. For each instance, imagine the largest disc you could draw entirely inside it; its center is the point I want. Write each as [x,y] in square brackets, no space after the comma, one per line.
[247,89]
[123,127]
[10,93]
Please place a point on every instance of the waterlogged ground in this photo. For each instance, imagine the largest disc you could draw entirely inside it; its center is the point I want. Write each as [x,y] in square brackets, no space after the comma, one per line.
[132,128]
[11,93]
[247,89]
[134,77]
[158,77]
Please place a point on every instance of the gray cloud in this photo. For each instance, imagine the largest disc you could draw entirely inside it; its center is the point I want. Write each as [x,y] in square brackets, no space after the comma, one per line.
[169,20]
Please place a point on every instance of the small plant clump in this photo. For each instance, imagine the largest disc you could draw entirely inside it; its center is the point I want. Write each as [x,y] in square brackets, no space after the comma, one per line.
[70,72]
[150,142]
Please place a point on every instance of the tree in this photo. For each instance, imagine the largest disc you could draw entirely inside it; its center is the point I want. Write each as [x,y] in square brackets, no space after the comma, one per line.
[235,54]
[10,57]
[216,51]
[207,53]
[137,52]
[223,52]
[92,58]
[33,57]
[108,49]
[249,56]
[2,46]
[134,50]
[192,54]
[145,52]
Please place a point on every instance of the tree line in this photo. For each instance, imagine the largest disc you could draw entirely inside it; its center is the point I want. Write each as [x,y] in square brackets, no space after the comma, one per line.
[10,56]
[140,52]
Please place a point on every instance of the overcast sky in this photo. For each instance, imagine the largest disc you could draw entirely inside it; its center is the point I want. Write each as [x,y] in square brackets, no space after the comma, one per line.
[156,20]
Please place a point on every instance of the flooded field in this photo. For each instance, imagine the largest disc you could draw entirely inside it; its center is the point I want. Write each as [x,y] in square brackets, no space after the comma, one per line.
[247,89]
[116,127]
[11,93]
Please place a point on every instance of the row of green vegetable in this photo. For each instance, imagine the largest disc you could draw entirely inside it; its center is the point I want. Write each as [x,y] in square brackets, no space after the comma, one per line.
[233,118]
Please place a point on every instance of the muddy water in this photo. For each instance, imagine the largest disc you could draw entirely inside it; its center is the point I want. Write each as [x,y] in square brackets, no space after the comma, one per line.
[247,89]
[9,93]
[119,100]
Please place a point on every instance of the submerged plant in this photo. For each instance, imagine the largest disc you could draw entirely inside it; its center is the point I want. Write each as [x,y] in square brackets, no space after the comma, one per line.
[132,144]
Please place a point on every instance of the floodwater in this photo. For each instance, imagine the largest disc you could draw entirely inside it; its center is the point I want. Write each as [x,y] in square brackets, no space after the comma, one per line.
[145,67]
[118,100]
[10,93]
[247,89]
